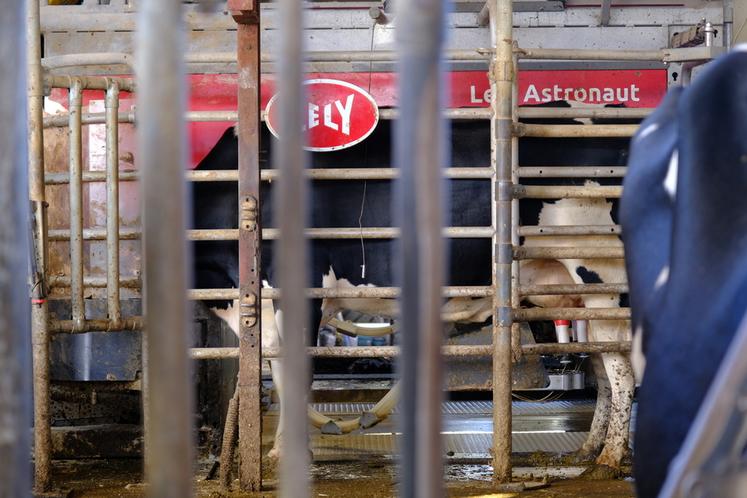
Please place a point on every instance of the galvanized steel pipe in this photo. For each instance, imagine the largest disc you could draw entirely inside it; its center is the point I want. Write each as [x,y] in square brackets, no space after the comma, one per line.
[480,351]
[420,151]
[95,325]
[379,173]
[40,310]
[15,333]
[536,112]
[590,55]
[534,314]
[162,149]
[562,192]
[112,203]
[563,289]
[545,230]
[578,131]
[63,281]
[572,171]
[273,233]
[568,252]
[89,82]
[502,126]
[272,174]
[341,292]
[75,133]
[291,205]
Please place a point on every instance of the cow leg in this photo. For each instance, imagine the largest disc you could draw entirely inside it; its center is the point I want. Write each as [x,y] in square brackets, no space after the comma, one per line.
[271,336]
[620,374]
[598,432]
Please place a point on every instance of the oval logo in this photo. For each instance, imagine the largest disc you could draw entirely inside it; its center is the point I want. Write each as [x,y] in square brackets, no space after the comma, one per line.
[338,115]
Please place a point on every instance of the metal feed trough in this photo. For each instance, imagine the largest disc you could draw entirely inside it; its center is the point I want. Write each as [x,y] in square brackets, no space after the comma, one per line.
[160,120]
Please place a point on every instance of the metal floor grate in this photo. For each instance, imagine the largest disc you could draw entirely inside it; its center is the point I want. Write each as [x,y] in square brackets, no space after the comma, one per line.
[462,447]
[469,407]
[467,430]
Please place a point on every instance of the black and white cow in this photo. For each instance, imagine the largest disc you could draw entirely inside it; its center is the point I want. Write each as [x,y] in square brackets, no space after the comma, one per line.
[338,263]
[684,216]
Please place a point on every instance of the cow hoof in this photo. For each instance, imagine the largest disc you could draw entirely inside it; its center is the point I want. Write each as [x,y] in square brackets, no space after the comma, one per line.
[274,455]
[599,472]
[368,420]
[331,428]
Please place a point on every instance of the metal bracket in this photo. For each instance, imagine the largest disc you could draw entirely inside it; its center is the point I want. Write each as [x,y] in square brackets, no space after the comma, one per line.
[244,11]
[249,213]
[249,309]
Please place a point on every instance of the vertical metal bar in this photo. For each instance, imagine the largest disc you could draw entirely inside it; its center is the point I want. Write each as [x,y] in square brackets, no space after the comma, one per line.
[292,268]
[501,126]
[75,132]
[419,151]
[161,140]
[15,345]
[112,204]
[246,13]
[604,14]
[728,22]
[39,311]
[515,270]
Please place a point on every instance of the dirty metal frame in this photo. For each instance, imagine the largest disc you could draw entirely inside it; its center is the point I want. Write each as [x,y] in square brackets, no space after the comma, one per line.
[40,332]
[246,13]
[501,75]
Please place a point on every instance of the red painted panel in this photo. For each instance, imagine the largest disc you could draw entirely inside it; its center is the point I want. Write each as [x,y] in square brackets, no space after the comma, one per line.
[633,87]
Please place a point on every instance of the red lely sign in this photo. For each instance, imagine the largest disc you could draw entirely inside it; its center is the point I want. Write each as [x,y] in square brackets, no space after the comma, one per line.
[338,115]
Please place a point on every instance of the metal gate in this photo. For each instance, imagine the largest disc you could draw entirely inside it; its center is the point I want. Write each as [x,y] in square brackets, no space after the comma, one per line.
[165,387]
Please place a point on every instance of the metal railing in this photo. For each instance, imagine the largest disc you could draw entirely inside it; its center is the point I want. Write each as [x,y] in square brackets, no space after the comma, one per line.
[505,290]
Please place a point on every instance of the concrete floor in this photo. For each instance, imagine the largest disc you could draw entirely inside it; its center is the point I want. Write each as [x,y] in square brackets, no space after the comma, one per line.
[352,466]
[108,479]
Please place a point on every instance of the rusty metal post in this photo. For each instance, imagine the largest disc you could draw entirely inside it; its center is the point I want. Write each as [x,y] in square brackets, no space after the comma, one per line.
[15,345]
[291,207]
[420,149]
[75,132]
[161,140]
[39,311]
[112,205]
[247,15]
[502,75]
